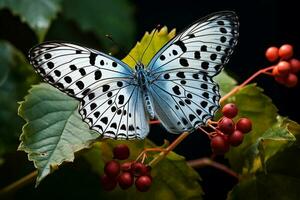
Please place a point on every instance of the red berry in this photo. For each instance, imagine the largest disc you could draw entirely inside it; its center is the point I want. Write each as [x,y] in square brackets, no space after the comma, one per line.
[244,125]
[226,125]
[285,51]
[112,168]
[275,71]
[143,183]
[219,144]
[295,65]
[272,54]
[126,167]
[108,183]
[139,169]
[125,180]
[284,68]
[291,80]
[149,168]
[230,110]
[236,138]
[121,152]
[280,79]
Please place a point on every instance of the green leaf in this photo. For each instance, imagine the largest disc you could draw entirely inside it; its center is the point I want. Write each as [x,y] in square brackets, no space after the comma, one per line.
[252,103]
[54,129]
[280,178]
[15,79]
[38,14]
[103,17]
[274,140]
[172,177]
[226,82]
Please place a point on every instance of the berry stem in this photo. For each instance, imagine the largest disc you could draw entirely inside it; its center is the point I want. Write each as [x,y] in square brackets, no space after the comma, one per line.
[204,131]
[268,73]
[203,162]
[212,122]
[237,88]
[29,178]
[164,153]
[144,152]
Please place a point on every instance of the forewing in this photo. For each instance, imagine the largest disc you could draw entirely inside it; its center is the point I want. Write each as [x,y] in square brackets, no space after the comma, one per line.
[110,102]
[183,92]
[203,47]
[74,69]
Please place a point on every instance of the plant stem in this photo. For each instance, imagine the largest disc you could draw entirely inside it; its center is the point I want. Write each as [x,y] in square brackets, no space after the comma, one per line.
[203,162]
[148,150]
[237,88]
[174,144]
[18,184]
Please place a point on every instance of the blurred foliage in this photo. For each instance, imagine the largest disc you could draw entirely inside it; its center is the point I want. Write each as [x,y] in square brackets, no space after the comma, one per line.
[15,79]
[101,17]
[38,14]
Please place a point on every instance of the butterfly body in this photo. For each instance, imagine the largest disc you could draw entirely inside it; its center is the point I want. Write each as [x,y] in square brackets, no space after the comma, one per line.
[143,80]
[176,86]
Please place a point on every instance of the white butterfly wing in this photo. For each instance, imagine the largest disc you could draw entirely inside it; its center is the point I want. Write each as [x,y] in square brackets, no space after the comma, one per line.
[204,47]
[117,110]
[184,100]
[183,92]
[95,79]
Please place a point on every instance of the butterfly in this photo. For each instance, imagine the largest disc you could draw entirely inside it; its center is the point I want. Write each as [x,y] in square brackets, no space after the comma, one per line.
[176,86]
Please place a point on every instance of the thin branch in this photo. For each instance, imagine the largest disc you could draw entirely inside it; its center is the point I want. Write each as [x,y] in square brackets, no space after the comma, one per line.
[174,144]
[29,178]
[237,88]
[144,152]
[204,162]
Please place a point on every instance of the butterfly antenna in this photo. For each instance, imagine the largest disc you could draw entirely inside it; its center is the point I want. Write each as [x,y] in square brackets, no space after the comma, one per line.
[156,29]
[115,43]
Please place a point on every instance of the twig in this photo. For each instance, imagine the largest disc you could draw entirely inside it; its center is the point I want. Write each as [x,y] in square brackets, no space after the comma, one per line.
[144,152]
[237,88]
[203,162]
[29,178]
[163,154]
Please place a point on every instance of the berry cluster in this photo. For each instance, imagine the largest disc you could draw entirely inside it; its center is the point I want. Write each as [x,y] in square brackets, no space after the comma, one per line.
[287,67]
[227,131]
[127,173]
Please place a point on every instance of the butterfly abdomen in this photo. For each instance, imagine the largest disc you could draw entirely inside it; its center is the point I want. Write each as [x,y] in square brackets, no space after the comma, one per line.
[149,105]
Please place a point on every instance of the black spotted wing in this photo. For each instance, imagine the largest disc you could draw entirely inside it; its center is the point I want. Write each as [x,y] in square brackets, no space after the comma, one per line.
[183,92]
[110,101]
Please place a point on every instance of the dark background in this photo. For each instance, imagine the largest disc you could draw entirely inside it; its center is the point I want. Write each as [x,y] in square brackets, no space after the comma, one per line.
[263,23]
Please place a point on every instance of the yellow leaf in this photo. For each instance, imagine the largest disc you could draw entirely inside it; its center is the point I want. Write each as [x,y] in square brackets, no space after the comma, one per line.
[150,44]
